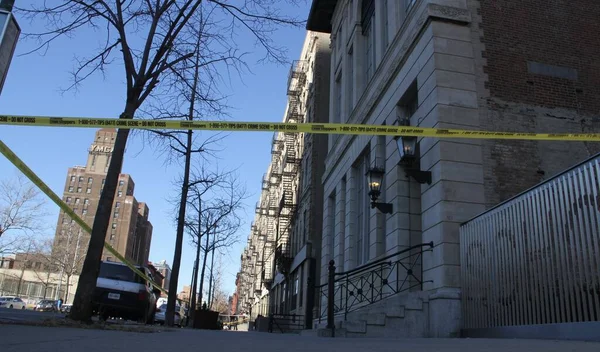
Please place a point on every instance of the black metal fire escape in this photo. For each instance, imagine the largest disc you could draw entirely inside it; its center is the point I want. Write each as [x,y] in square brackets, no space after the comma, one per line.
[290,166]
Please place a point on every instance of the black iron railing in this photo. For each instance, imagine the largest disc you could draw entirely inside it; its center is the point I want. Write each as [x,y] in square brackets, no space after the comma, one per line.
[285,323]
[347,291]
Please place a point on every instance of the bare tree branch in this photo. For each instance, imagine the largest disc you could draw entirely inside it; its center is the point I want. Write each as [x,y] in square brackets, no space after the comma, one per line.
[173,33]
[21,206]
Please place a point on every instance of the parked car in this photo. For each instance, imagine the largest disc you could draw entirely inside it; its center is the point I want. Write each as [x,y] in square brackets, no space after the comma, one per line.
[46,305]
[180,318]
[121,293]
[65,308]
[12,302]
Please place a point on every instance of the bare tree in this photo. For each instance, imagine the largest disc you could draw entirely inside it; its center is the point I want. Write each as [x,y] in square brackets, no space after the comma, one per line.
[40,262]
[21,210]
[213,224]
[218,298]
[65,256]
[191,94]
[161,25]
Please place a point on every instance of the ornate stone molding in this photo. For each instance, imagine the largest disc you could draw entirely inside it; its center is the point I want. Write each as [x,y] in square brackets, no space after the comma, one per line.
[449,13]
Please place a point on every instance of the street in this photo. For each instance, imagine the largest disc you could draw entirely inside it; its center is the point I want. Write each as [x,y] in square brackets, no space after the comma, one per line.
[15,315]
[36,339]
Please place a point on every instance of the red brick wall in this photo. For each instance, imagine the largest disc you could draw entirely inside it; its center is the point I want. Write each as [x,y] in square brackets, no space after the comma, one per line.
[554,32]
[506,35]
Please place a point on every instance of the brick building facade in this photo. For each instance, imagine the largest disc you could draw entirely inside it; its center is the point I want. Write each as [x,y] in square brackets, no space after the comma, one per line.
[129,232]
[280,264]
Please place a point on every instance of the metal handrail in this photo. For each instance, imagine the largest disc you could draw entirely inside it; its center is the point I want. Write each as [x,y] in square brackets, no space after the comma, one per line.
[375,263]
[378,277]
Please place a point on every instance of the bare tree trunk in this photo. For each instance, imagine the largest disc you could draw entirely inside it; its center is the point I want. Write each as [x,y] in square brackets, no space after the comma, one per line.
[204,266]
[82,304]
[67,288]
[180,229]
[196,262]
[211,278]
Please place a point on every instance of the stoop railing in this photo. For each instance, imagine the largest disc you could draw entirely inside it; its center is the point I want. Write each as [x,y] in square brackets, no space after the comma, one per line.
[370,283]
[535,259]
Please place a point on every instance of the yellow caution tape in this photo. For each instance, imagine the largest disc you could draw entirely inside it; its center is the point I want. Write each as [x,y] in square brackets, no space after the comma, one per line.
[323,128]
[13,158]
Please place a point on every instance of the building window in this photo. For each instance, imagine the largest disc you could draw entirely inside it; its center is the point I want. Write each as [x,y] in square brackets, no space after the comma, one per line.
[301,286]
[337,114]
[409,103]
[70,188]
[363,210]
[306,232]
[94,160]
[331,223]
[368,31]
[107,163]
[112,236]
[88,190]
[72,178]
[90,180]
[80,178]
[350,81]
[84,211]
[118,205]
[339,41]
[78,189]
[120,194]
[114,225]
[115,215]
[68,199]
[103,181]
[385,24]
[121,183]
[86,201]
[77,201]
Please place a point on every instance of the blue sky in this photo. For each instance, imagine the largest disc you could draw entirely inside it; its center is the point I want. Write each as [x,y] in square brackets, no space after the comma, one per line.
[33,88]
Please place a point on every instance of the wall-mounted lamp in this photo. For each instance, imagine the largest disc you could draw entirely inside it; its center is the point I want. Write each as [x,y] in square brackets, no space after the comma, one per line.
[409,156]
[375,178]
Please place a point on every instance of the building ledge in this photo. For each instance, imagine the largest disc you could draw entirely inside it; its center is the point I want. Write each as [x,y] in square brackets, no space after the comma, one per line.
[320,15]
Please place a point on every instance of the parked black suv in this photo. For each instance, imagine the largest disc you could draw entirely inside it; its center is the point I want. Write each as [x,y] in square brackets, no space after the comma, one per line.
[121,293]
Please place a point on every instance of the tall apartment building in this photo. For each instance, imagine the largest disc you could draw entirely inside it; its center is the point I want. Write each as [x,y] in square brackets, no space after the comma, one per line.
[129,232]
[281,259]
[502,65]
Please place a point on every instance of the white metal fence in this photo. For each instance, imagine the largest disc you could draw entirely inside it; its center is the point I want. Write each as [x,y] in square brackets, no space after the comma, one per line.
[535,259]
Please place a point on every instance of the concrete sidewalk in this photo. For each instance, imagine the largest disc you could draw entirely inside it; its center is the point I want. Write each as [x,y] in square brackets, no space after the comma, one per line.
[34,339]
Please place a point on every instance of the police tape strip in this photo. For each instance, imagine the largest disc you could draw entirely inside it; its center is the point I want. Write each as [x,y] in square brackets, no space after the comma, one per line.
[15,160]
[322,128]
